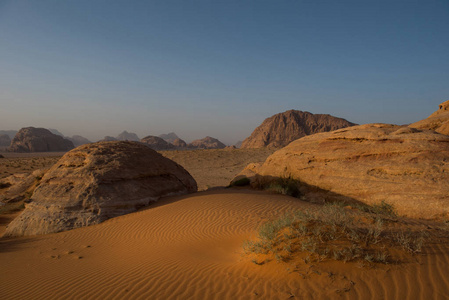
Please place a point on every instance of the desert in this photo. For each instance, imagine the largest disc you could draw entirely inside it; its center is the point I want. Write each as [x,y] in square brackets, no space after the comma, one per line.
[269,237]
[224,150]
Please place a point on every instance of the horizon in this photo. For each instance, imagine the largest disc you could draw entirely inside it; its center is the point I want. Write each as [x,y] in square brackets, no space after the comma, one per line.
[94,68]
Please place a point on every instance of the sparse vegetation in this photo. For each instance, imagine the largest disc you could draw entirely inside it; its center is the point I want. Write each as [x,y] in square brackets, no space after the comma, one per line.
[284,185]
[334,232]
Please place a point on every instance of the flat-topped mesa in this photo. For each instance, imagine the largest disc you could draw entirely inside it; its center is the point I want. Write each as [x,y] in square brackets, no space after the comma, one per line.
[98,181]
[31,139]
[207,143]
[281,129]
[371,163]
[437,121]
[156,143]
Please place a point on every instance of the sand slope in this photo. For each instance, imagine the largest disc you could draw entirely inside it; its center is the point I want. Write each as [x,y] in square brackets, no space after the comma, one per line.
[189,247]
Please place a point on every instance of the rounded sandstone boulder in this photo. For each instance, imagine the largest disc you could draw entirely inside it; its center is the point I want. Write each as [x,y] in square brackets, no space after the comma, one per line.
[98,181]
[406,167]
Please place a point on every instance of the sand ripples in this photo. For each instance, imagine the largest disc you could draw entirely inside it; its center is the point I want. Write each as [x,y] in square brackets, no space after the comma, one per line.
[189,247]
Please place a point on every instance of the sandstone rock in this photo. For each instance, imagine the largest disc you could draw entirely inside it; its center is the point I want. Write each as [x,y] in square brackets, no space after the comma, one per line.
[438,121]
[156,143]
[5,141]
[98,181]
[127,136]
[283,128]
[78,140]
[207,143]
[169,137]
[179,143]
[404,166]
[32,139]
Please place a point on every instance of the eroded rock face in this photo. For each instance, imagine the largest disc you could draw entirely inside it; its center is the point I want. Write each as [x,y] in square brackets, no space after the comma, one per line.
[98,181]
[207,143]
[404,166]
[32,139]
[438,121]
[281,129]
[156,143]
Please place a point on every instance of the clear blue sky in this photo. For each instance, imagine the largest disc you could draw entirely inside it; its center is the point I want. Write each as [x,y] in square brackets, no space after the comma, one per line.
[218,68]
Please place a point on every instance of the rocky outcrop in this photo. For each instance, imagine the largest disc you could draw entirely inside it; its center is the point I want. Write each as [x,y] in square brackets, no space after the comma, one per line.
[178,143]
[156,143]
[169,137]
[207,143]
[438,121]
[32,139]
[127,136]
[5,140]
[281,129]
[98,181]
[78,140]
[406,167]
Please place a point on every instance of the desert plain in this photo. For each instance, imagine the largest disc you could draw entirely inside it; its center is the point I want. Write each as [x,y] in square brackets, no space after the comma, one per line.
[192,247]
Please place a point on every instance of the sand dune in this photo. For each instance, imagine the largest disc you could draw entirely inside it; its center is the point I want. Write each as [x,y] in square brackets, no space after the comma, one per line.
[189,247]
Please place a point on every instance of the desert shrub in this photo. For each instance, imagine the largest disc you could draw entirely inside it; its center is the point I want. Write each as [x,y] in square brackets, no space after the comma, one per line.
[332,233]
[283,185]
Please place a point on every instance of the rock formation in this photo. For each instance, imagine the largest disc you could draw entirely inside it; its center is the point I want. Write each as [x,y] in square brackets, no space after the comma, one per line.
[78,140]
[156,143]
[32,139]
[281,129]
[5,140]
[178,143]
[438,121]
[169,137]
[98,181]
[207,143]
[406,167]
[127,136]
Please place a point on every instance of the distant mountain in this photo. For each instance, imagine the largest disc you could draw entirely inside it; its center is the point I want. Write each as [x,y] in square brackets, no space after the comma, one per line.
[281,129]
[31,139]
[156,143]
[108,139]
[127,136]
[55,131]
[179,143]
[5,140]
[169,137]
[207,143]
[238,144]
[78,140]
[10,133]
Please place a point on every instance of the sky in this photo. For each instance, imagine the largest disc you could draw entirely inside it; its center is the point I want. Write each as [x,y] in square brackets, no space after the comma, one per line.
[218,68]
